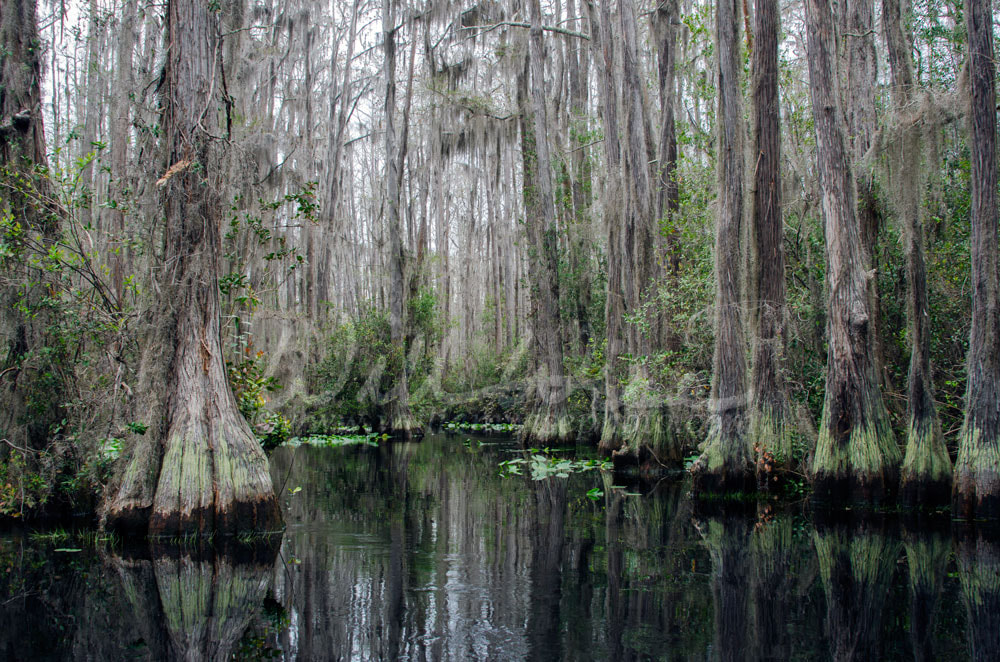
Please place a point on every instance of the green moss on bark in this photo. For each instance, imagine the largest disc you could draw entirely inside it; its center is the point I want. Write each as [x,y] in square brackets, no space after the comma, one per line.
[976,491]
[856,455]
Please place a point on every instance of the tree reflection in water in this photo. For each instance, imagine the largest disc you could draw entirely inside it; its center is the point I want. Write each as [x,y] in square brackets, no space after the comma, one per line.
[194,604]
[422,551]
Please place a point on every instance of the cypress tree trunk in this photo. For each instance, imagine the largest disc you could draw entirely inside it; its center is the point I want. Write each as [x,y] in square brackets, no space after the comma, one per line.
[668,192]
[400,420]
[926,473]
[548,420]
[769,427]
[22,133]
[603,45]
[976,491]
[199,469]
[856,454]
[725,464]
[645,420]
[859,76]
[22,149]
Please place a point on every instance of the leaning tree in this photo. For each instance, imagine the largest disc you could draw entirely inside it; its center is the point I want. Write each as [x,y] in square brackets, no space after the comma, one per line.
[199,468]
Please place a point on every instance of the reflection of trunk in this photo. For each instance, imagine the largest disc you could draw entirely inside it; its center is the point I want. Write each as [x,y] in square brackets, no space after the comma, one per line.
[725,464]
[979,571]
[771,583]
[196,609]
[548,420]
[199,469]
[856,454]
[544,622]
[857,568]
[615,606]
[927,559]
[727,542]
[977,477]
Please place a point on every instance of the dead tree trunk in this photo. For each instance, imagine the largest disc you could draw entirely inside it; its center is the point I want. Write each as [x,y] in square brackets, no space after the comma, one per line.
[549,420]
[725,464]
[976,491]
[926,473]
[769,425]
[199,469]
[856,454]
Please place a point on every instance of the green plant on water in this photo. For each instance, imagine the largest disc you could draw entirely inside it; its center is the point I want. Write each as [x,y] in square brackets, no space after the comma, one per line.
[595,493]
[461,426]
[332,440]
[540,466]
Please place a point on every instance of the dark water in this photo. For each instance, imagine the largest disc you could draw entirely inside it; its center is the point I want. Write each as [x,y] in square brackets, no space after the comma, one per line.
[421,551]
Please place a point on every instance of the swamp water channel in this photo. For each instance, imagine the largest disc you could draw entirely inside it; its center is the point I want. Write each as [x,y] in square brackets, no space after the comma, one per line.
[424,551]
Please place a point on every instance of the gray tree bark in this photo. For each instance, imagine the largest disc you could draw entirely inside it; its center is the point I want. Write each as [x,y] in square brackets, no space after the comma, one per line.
[925,479]
[548,420]
[199,469]
[399,419]
[769,425]
[856,455]
[976,488]
[726,463]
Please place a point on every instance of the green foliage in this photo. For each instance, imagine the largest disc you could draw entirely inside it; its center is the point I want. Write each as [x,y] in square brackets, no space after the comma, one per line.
[504,428]
[370,439]
[543,465]
[360,368]
[249,382]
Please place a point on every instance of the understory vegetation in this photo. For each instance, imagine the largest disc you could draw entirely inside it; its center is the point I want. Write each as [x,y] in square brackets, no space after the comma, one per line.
[541,219]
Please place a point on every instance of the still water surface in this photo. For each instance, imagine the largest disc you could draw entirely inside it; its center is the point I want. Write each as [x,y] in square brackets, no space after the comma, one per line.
[422,551]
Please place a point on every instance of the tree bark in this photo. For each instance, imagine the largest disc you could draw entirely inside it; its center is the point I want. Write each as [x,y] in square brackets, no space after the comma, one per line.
[926,474]
[859,76]
[976,490]
[22,158]
[856,455]
[646,425]
[549,420]
[603,45]
[769,424]
[725,464]
[199,469]
[399,419]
